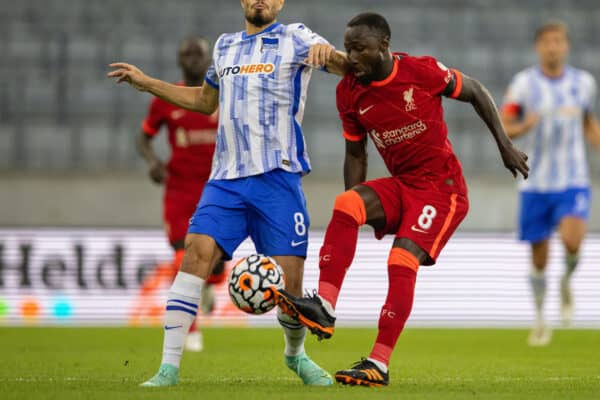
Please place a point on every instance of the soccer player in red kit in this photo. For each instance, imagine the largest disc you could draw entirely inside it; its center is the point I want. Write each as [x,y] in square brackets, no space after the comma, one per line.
[192,142]
[396,99]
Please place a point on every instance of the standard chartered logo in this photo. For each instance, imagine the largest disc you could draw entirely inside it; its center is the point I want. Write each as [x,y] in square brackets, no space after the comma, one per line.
[376,139]
[185,138]
[395,136]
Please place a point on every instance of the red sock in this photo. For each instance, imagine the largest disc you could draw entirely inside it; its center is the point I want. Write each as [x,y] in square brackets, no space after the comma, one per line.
[163,272]
[336,254]
[177,261]
[402,272]
[216,279]
[193,327]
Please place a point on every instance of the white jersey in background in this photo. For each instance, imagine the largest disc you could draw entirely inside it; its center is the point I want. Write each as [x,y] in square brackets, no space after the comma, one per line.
[262,82]
[555,146]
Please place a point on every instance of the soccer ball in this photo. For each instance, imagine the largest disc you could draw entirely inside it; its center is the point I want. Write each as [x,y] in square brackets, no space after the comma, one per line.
[252,283]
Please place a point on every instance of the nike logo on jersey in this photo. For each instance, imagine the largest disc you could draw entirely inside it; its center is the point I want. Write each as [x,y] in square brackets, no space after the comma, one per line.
[363,111]
[414,228]
[296,244]
[168,328]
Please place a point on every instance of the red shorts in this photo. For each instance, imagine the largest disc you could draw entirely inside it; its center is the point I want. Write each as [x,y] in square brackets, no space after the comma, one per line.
[426,217]
[179,203]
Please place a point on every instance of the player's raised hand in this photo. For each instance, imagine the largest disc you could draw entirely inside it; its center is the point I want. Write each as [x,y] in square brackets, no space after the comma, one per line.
[320,54]
[515,160]
[131,74]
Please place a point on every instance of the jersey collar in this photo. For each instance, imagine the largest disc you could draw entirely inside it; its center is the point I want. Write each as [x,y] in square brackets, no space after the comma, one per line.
[390,77]
[268,29]
[555,79]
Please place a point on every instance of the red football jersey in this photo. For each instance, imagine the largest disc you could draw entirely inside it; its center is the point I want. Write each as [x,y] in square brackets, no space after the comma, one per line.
[191,137]
[404,117]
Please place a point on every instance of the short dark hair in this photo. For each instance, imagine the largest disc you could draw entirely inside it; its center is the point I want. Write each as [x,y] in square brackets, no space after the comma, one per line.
[555,25]
[374,22]
[193,38]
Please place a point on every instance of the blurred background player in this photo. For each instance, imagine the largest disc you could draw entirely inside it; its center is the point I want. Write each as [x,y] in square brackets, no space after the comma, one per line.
[192,142]
[551,106]
[396,99]
[259,79]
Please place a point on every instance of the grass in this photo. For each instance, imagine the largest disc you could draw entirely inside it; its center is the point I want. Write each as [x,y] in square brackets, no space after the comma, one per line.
[243,364]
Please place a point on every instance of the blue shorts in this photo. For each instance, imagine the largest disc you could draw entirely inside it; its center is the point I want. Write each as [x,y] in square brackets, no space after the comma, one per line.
[270,208]
[541,213]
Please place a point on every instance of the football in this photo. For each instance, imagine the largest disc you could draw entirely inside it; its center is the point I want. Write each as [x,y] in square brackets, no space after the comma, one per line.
[252,283]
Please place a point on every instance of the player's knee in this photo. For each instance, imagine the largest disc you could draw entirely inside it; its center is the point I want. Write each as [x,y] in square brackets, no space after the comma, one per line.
[539,261]
[353,205]
[198,255]
[572,246]
[539,264]
[539,255]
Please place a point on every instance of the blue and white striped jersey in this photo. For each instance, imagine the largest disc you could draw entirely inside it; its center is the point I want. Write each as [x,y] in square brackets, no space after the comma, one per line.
[262,82]
[555,147]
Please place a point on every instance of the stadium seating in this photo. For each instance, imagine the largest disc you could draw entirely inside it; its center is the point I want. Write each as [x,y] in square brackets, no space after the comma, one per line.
[55,54]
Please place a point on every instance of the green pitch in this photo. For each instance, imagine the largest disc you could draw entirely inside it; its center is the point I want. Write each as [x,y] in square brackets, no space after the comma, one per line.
[243,364]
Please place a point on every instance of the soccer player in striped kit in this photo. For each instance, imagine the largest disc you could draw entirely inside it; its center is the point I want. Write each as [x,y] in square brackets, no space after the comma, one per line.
[258,80]
[551,106]
[396,100]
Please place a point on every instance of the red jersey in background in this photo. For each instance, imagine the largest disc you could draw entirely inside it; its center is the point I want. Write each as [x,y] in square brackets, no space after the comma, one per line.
[192,141]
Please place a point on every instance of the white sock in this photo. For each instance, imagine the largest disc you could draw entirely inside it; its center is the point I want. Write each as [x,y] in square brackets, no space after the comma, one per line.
[182,306]
[571,260]
[294,334]
[537,279]
[328,307]
[380,365]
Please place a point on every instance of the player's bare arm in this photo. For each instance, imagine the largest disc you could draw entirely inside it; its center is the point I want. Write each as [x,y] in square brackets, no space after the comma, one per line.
[326,55]
[355,163]
[202,99]
[475,93]
[157,170]
[591,128]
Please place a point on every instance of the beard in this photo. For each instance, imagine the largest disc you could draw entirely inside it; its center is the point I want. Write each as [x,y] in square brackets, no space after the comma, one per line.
[259,18]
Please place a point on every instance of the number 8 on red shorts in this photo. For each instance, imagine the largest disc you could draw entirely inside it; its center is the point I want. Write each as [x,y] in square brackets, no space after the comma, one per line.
[427,217]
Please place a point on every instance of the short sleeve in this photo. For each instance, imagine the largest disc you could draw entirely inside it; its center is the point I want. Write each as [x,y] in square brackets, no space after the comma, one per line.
[304,39]
[212,76]
[591,90]
[515,96]
[155,118]
[353,130]
[436,78]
